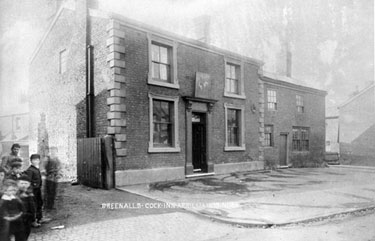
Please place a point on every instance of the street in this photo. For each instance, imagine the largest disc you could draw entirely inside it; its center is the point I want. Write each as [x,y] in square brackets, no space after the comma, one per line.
[183,226]
[93,214]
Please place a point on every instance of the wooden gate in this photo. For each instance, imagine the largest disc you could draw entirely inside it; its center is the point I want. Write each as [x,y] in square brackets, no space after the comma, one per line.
[90,168]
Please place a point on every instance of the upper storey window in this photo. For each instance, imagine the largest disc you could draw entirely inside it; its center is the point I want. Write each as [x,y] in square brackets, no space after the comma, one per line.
[271,100]
[161,66]
[62,61]
[162,62]
[234,80]
[300,105]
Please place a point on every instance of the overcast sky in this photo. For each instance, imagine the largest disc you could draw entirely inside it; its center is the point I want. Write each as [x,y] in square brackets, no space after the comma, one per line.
[332,41]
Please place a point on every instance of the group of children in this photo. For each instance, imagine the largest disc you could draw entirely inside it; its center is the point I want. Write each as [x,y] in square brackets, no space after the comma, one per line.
[21,200]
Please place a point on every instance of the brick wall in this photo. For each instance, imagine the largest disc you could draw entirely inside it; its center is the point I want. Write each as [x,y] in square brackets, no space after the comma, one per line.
[286,117]
[189,61]
[120,56]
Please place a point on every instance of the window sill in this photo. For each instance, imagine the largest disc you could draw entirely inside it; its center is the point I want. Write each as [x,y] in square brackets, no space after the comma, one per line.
[226,94]
[163,84]
[301,152]
[164,149]
[235,148]
[269,147]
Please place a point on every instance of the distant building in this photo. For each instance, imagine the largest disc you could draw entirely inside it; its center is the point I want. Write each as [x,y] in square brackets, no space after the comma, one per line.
[357,125]
[332,134]
[14,128]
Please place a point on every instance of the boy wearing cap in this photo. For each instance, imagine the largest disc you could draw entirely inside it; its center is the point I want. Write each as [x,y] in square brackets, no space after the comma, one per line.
[15,169]
[27,198]
[33,173]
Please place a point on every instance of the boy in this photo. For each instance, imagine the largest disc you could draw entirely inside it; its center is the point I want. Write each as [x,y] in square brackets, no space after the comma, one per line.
[27,199]
[33,173]
[15,169]
[11,210]
[52,171]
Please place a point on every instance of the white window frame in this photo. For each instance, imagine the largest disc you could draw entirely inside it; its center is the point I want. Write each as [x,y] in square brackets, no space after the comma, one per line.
[172,45]
[300,103]
[242,146]
[241,84]
[276,105]
[175,139]
[63,54]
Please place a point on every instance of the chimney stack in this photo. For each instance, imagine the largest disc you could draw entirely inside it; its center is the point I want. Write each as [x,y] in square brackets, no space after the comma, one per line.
[288,61]
[202,28]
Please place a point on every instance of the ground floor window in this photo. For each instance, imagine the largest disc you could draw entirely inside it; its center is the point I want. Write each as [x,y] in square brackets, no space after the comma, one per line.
[301,138]
[163,124]
[268,135]
[234,127]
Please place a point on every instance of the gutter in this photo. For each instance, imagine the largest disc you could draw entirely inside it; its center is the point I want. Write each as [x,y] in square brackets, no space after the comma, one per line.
[90,130]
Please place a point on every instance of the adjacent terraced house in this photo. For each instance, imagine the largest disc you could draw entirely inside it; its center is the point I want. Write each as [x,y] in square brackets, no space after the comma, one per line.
[175,107]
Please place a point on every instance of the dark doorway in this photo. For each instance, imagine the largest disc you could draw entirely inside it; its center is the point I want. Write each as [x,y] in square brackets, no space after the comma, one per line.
[283,151]
[199,142]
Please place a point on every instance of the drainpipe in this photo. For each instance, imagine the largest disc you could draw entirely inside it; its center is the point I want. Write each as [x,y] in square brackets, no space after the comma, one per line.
[90,130]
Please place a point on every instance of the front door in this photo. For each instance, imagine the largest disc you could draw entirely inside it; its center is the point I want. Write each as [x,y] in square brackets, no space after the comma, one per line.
[283,151]
[199,142]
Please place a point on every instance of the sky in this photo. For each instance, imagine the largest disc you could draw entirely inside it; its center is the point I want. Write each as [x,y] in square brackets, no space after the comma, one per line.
[331,41]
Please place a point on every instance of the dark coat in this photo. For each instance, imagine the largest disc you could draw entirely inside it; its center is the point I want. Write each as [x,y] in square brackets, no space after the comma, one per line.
[35,176]
[29,204]
[53,169]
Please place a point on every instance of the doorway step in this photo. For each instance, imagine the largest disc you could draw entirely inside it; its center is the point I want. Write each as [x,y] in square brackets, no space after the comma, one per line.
[200,174]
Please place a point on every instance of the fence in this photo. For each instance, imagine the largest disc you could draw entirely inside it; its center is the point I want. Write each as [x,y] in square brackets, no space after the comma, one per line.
[94,162]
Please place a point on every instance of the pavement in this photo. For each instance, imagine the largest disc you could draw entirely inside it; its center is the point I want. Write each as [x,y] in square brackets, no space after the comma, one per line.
[170,226]
[274,198]
[251,199]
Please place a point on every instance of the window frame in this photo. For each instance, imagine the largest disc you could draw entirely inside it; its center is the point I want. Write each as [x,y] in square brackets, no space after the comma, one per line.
[272,136]
[17,123]
[268,100]
[175,137]
[63,56]
[172,53]
[300,140]
[240,75]
[241,140]
[300,104]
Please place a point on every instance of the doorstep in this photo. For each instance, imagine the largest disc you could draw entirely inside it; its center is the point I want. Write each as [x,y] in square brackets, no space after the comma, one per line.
[200,175]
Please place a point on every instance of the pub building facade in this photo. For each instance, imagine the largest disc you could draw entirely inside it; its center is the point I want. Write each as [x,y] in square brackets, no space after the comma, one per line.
[176,107]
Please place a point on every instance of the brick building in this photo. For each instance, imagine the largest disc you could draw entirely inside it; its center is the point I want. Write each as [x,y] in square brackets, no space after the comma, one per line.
[294,123]
[176,107]
[357,126]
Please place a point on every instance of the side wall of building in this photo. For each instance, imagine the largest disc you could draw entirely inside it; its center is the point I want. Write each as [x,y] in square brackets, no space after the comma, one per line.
[357,124]
[286,117]
[57,100]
